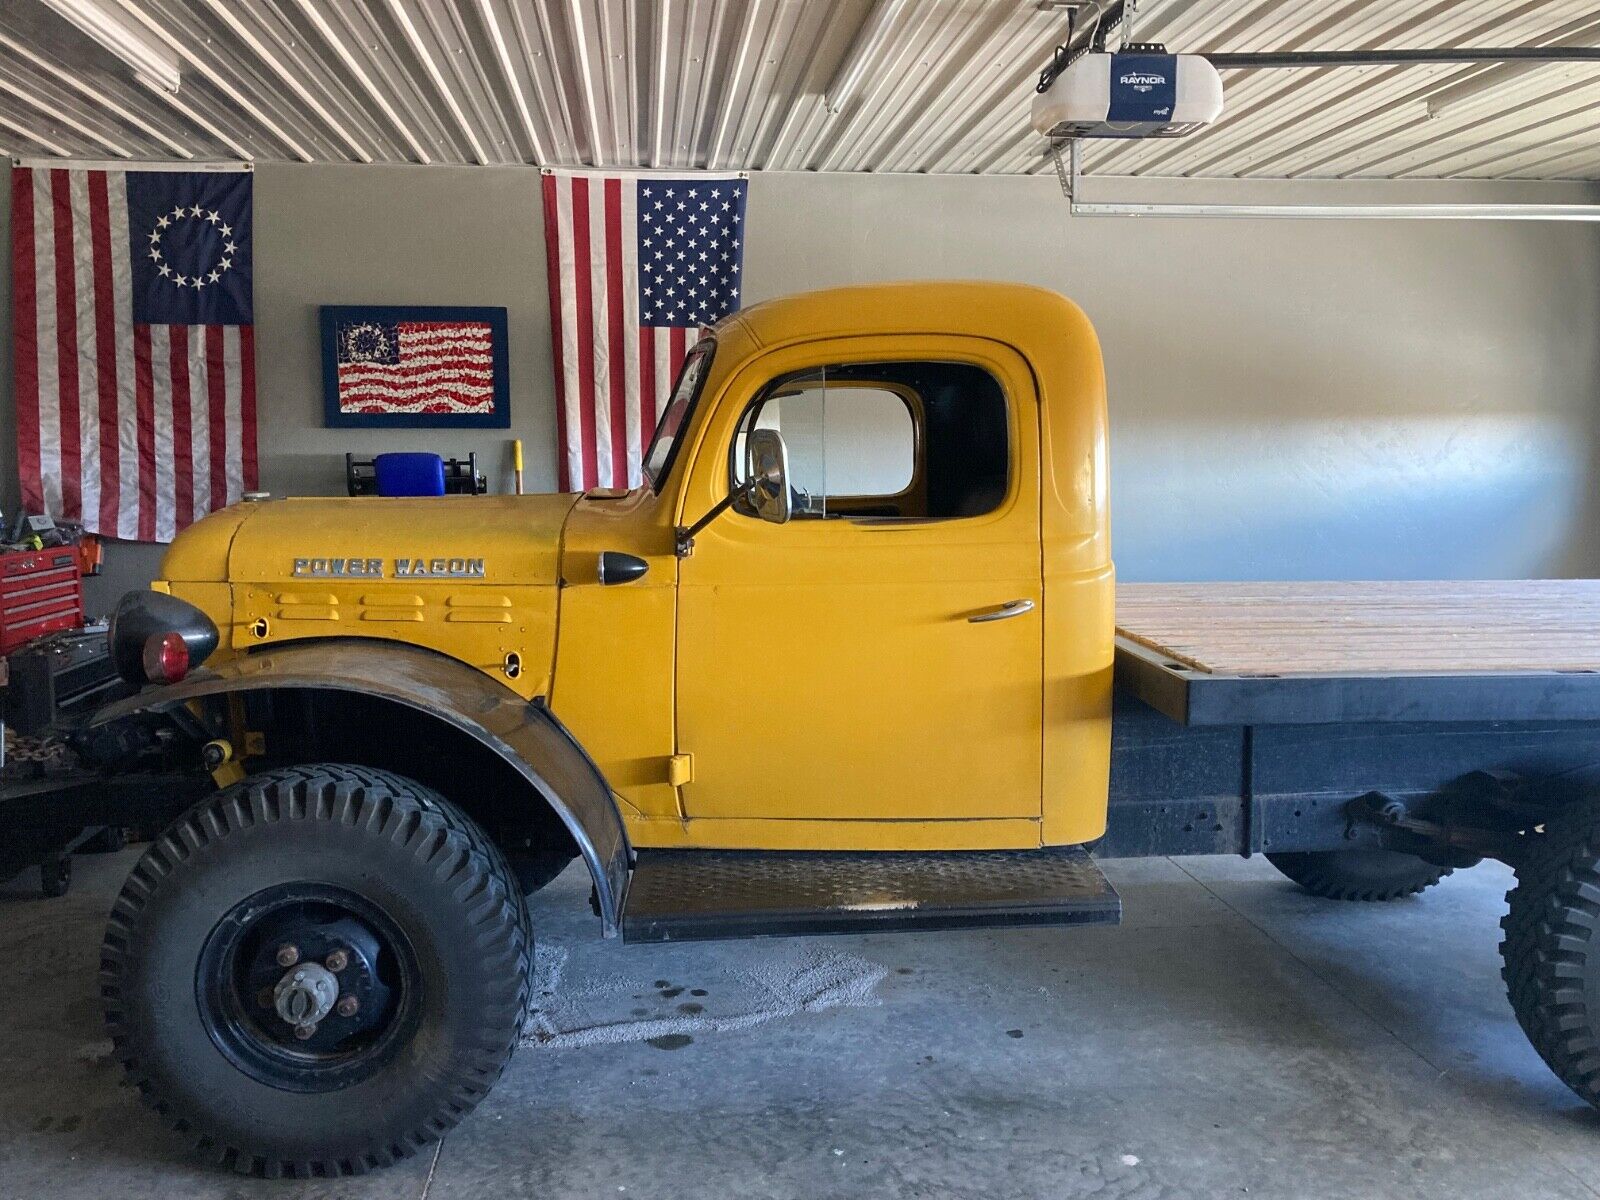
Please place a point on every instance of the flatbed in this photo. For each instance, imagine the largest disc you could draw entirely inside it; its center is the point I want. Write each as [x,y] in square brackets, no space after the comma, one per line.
[1318,653]
[1250,717]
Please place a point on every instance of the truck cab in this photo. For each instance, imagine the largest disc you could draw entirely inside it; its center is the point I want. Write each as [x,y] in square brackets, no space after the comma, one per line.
[810,683]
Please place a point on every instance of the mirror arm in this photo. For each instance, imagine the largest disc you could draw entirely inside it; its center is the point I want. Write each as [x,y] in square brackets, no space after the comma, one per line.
[683,535]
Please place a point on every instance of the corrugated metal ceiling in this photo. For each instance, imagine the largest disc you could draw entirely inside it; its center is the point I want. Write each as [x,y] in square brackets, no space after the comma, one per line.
[741,83]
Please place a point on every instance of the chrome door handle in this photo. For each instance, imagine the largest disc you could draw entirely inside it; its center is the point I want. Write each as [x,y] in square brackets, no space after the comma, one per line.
[1011,608]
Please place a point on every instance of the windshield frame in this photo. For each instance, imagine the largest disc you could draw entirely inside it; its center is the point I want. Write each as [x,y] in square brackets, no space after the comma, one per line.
[704,350]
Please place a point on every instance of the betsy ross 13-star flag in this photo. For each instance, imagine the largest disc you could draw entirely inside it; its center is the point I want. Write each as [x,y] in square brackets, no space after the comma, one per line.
[133,345]
[638,264]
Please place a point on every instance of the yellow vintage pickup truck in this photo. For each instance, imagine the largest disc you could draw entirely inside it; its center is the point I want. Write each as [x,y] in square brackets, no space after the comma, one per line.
[850,659]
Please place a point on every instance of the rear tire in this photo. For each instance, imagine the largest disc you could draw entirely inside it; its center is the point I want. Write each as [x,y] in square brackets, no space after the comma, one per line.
[330,857]
[1551,948]
[1359,874]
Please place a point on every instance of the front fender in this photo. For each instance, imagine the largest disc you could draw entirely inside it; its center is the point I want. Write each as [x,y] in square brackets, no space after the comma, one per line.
[524,734]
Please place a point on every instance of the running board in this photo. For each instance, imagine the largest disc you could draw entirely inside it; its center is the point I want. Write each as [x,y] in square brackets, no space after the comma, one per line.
[690,895]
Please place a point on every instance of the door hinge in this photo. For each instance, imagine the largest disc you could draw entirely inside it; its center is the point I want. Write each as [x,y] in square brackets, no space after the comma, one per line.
[680,769]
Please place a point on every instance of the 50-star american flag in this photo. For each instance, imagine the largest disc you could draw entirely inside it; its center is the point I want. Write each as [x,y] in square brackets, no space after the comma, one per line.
[637,265]
[133,345]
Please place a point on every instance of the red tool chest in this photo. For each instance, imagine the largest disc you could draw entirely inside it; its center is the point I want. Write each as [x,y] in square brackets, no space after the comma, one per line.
[41,591]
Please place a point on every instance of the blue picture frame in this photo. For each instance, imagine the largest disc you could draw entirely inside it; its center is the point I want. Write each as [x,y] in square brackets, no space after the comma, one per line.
[333,317]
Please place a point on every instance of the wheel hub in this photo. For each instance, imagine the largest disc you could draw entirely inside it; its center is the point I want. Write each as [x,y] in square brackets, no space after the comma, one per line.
[318,969]
[304,996]
[308,987]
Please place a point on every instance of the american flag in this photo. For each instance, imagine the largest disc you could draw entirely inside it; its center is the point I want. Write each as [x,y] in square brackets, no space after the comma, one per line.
[637,265]
[415,367]
[134,350]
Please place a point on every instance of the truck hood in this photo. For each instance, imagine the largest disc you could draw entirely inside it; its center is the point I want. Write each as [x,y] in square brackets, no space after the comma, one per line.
[499,540]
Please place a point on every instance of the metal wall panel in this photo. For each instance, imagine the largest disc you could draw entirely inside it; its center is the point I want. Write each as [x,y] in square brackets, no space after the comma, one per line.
[743,84]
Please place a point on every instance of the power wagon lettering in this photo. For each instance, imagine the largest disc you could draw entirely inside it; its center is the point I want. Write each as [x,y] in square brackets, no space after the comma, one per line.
[402,568]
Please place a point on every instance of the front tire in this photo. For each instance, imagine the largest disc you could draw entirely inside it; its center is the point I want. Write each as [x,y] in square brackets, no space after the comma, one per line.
[410,941]
[1551,948]
[1359,874]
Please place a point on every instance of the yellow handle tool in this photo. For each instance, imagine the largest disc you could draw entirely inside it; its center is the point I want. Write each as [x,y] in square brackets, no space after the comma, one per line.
[516,462]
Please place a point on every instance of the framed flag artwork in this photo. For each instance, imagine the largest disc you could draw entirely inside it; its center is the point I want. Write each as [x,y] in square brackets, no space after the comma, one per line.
[431,367]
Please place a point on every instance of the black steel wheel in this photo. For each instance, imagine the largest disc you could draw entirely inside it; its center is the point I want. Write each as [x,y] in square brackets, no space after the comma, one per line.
[317,971]
[1551,949]
[308,987]
[1360,874]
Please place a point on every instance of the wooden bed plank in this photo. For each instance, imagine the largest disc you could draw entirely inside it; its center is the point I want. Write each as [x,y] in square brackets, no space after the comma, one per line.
[1367,627]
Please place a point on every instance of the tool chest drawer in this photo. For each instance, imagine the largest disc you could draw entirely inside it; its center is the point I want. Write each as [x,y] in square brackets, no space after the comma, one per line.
[41,591]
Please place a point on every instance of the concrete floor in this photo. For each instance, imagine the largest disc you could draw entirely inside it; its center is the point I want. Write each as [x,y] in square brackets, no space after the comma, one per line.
[1234,1037]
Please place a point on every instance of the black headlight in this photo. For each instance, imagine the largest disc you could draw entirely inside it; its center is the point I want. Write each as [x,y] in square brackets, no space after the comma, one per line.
[157,638]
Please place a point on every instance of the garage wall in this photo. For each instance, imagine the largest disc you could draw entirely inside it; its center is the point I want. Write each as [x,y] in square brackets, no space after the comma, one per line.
[1290,399]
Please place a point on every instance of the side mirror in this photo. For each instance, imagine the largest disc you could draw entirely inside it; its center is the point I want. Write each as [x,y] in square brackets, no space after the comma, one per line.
[765,488]
[767,475]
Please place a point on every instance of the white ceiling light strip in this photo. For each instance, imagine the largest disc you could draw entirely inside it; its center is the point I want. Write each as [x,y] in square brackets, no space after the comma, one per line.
[802,106]
[156,81]
[215,77]
[1498,75]
[538,83]
[78,85]
[151,65]
[892,56]
[613,81]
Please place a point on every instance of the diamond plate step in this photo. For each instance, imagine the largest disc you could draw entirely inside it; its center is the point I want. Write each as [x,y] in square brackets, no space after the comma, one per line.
[685,895]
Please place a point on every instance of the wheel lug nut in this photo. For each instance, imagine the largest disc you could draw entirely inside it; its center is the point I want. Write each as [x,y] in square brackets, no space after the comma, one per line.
[337,961]
[347,1006]
[304,1031]
[288,955]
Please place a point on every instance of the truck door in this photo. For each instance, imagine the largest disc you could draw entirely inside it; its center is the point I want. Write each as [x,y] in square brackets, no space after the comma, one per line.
[879,656]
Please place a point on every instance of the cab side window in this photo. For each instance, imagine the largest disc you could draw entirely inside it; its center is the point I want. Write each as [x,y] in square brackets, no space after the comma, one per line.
[886,441]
